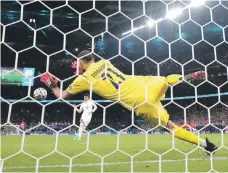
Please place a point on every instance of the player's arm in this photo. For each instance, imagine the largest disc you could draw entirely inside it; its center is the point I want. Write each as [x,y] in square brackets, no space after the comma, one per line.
[57,92]
[75,106]
[78,85]
[51,83]
[94,107]
[80,109]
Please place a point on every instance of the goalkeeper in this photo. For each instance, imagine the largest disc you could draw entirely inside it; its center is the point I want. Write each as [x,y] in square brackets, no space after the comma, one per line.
[143,93]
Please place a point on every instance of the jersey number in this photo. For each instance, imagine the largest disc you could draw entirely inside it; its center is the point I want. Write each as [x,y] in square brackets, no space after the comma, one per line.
[109,72]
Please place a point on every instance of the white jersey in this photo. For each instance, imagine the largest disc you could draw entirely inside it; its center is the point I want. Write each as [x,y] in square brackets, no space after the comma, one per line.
[88,107]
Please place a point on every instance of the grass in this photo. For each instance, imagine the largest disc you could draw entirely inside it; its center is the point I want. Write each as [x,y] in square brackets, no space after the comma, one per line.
[100,147]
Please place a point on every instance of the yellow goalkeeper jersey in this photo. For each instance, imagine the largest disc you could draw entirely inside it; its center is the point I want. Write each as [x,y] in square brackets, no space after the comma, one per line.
[107,81]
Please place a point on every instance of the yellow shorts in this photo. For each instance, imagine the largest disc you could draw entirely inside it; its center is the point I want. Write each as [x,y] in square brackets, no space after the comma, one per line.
[154,112]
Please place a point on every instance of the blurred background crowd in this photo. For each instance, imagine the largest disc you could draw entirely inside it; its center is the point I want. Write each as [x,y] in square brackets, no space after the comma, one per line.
[116,118]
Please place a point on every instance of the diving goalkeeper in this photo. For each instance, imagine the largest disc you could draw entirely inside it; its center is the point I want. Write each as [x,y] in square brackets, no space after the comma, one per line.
[143,93]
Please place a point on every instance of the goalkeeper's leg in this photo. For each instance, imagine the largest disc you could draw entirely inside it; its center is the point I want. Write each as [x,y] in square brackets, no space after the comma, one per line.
[156,113]
[191,137]
[178,131]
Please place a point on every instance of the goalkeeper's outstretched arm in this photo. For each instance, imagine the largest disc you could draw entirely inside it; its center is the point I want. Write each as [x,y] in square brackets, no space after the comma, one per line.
[51,83]
[79,84]
[57,92]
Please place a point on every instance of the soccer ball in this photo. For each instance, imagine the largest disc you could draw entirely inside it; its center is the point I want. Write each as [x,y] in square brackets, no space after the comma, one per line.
[40,94]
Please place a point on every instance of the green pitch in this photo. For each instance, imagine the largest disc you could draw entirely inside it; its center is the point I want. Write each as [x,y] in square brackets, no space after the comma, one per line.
[103,145]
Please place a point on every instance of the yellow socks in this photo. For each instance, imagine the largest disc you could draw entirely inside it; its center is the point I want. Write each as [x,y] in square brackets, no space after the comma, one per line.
[173,79]
[188,136]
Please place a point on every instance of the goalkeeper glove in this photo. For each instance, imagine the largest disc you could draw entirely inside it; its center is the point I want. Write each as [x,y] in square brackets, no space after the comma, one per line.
[48,80]
[199,75]
[79,70]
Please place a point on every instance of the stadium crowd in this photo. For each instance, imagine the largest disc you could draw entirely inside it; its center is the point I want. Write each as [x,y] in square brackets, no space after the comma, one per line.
[196,118]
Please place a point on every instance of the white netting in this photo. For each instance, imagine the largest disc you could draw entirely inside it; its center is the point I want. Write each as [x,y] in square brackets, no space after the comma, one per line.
[159,40]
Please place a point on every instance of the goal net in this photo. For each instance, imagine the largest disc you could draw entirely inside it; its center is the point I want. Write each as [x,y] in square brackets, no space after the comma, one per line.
[140,38]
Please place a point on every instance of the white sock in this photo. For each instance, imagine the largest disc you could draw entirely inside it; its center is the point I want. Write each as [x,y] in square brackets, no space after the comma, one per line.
[80,129]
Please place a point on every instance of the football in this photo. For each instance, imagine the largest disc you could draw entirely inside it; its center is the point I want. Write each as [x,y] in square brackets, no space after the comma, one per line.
[40,94]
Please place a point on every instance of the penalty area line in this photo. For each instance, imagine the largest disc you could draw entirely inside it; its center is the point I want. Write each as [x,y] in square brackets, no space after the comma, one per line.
[111,163]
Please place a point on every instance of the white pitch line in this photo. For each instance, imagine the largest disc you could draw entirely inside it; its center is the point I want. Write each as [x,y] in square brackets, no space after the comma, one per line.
[111,163]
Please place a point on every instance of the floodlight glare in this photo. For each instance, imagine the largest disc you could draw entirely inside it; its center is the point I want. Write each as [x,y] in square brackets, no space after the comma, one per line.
[173,14]
[150,23]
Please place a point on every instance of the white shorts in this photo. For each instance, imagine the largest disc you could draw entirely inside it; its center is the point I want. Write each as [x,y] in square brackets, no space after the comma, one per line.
[85,121]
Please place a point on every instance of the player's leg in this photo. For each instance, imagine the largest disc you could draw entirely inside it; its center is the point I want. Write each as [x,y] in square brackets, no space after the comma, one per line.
[181,133]
[156,114]
[82,127]
[188,136]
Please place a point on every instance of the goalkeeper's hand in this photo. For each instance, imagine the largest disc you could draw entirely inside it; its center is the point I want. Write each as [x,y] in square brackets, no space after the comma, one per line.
[196,76]
[48,80]
[79,69]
